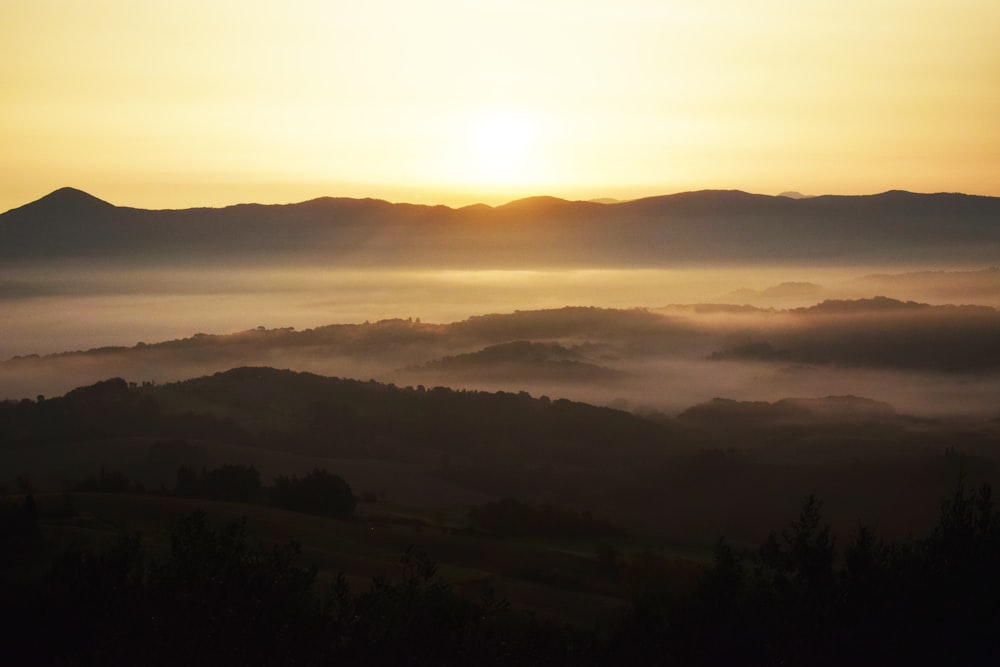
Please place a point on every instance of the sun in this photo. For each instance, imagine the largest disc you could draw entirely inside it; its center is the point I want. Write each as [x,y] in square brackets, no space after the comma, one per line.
[500,140]
[502,148]
[493,151]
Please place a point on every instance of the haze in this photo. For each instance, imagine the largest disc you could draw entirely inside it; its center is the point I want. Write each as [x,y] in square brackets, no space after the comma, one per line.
[125,306]
[781,346]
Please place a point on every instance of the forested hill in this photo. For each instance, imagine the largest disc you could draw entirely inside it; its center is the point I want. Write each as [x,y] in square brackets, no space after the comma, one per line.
[360,418]
[325,416]
[725,467]
[710,225]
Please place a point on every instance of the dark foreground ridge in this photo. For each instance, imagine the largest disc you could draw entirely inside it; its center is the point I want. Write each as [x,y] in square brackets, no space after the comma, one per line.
[822,591]
[217,598]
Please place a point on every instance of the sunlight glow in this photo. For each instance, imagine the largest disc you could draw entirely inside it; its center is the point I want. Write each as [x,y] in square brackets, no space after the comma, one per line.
[502,144]
[210,102]
[493,149]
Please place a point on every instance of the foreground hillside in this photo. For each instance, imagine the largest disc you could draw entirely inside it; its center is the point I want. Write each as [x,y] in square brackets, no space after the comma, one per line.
[556,577]
[799,599]
[722,468]
[564,533]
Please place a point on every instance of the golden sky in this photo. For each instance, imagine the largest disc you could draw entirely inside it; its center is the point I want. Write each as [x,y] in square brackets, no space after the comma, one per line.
[209,102]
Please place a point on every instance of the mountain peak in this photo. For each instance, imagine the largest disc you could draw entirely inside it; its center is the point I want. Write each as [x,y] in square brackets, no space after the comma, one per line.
[67,201]
[73,197]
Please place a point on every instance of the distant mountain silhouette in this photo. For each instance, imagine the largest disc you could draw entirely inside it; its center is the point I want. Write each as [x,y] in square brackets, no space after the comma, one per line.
[66,201]
[802,290]
[690,227]
[727,413]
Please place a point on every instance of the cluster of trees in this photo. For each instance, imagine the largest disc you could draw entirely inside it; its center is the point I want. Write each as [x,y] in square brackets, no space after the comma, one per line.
[319,492]
[112,481]
[221,599]
[880,333]
[799,600]
[509,517]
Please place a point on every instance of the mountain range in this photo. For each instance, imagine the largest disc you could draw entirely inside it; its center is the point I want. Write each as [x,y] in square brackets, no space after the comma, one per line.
[687,228]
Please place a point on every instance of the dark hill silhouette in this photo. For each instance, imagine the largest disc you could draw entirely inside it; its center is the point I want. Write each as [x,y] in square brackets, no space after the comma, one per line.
[710,225]
[333,416]
[66,201]
[724,465]
[882,332]
[64,223]
[848,306]
[317,415]
[720,413]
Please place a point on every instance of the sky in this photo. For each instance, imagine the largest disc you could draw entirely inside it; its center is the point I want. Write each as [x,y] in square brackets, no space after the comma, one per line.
[213,102]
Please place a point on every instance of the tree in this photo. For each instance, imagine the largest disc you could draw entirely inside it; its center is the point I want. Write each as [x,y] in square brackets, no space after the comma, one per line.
[319,492]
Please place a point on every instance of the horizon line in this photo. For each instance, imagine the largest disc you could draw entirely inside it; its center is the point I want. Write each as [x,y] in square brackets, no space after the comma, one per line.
[608,201]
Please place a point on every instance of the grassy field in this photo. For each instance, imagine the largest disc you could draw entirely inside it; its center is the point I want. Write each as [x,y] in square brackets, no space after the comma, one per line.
[562,580]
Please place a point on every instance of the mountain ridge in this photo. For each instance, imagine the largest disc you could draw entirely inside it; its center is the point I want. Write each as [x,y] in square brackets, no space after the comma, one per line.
[696,226]
[69,193]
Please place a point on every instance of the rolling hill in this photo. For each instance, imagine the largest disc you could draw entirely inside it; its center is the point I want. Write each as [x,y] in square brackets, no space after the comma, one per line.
[724,467]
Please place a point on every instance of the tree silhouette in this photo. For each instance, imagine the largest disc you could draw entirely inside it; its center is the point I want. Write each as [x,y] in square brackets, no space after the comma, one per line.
[319,492]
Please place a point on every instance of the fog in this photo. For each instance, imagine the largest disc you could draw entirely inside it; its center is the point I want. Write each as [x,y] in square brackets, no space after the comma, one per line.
[673,386]
[49,309]
[426,327]
[65,307]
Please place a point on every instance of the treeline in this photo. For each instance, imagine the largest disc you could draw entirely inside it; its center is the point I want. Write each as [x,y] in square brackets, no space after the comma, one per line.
[106,408]
[312,414]
[796,600]
[219,598]
[509,517]
[113,481]
[318,492]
